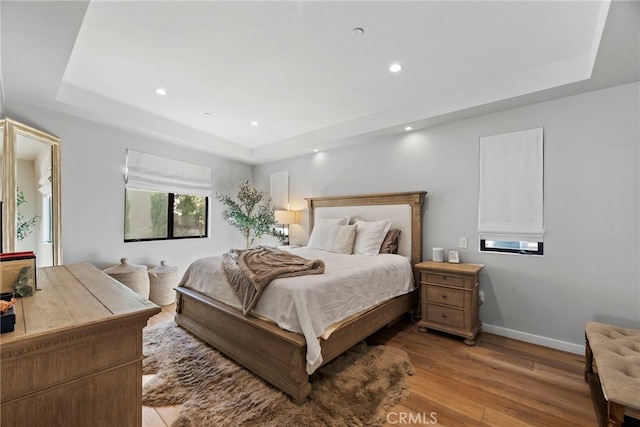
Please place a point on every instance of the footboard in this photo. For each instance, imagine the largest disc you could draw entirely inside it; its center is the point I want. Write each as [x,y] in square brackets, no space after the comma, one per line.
[275,355]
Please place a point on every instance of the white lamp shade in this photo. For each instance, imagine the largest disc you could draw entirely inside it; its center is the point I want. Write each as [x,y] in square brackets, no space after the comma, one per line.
[285,217]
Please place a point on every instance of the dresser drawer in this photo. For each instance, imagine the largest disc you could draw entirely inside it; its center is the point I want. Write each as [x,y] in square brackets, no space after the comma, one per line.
[448,296]
[445,315]
[444,279]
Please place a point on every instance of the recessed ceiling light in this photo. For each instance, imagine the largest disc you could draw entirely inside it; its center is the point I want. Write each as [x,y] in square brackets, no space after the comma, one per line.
[394,68]
[357,32]
[408,128]
[315,150]
[254,123]
[206,114]
[161,91]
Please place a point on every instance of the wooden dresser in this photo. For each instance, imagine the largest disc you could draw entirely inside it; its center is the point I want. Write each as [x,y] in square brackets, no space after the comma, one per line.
[449,298]
[75,356]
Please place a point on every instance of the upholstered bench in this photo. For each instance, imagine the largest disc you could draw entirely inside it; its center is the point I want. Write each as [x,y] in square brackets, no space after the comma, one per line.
[612,369]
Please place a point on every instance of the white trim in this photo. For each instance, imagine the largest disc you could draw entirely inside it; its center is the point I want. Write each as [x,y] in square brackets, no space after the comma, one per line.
[534,339]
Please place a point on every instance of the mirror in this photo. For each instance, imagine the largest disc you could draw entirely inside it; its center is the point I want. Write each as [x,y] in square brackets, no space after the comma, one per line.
[30,193]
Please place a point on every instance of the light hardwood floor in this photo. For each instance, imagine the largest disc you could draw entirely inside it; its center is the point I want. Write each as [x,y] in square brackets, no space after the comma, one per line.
[497,382]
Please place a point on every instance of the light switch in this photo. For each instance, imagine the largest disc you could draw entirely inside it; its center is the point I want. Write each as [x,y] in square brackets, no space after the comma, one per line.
[463,243]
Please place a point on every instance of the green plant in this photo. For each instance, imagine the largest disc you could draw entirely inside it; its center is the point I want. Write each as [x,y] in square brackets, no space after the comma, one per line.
[252,213]
[24,226]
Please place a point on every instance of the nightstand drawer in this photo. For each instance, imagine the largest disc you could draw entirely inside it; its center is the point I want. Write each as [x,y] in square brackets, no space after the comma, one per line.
[444,279]
[448,296]
[448,316]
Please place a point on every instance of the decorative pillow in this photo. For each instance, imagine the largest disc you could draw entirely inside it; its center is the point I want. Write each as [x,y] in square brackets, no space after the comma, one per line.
[369,236]
[341,239]
[390,242]
[320,232]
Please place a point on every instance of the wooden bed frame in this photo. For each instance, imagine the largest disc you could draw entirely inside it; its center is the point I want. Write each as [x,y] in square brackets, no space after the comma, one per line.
[279,356]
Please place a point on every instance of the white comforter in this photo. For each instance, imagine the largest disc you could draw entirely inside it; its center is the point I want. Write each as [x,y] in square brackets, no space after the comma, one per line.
[310,304]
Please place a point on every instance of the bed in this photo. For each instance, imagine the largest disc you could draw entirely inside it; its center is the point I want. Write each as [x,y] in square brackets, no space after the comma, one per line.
[280,356]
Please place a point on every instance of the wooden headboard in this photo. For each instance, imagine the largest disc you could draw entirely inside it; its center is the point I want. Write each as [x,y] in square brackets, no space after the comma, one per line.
[413,201]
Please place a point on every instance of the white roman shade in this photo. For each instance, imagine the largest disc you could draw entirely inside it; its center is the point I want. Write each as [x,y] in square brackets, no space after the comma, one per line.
[154,173]
[511,186]
[279,190]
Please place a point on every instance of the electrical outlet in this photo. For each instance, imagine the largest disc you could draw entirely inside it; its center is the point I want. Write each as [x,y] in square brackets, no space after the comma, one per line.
[463,243]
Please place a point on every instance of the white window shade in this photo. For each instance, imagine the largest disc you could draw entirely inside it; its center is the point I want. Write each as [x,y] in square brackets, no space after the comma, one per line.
[279,189]
[511,185]
[154,173]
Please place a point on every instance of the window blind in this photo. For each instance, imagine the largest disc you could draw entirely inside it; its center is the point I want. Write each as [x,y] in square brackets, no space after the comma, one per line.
[154,173]
[511,186]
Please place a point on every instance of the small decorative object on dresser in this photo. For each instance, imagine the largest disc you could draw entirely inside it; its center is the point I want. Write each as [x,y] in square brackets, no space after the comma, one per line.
[454,257]
[7,314]
[18,273]
[449,298]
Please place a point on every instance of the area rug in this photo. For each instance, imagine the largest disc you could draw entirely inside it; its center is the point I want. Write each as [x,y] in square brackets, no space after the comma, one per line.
[355,389]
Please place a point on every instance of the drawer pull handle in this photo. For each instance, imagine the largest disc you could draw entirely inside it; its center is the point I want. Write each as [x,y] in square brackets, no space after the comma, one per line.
[444,315]
[444,296]
[444,277]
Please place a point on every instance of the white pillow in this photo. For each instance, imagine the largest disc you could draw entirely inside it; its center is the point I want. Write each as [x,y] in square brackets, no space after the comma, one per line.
[320,232]
[369,236]
[341,239]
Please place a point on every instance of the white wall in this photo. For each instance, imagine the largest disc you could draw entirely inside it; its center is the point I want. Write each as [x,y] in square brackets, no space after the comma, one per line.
[590,270]
[93,162]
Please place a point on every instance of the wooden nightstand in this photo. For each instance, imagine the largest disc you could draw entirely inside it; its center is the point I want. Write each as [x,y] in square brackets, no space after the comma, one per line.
[449,298]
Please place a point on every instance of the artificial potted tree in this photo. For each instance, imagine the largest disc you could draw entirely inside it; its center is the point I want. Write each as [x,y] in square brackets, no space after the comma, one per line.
[251,212]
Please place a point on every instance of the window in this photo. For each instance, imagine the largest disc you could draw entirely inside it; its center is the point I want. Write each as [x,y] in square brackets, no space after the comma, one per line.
[165,198]
[523,247]
[510,212]
[154,215]
[46,201]
[47,224]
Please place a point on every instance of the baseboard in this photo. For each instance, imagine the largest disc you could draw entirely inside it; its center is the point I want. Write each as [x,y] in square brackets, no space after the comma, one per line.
[534,339]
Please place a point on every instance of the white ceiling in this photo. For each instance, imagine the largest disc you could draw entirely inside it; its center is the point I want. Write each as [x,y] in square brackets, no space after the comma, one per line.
[297,69]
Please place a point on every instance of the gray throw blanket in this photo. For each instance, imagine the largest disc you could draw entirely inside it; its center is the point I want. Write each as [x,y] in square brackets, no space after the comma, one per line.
[250,271]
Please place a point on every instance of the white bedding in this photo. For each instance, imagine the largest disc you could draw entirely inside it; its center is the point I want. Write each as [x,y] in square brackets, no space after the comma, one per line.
[310,304]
